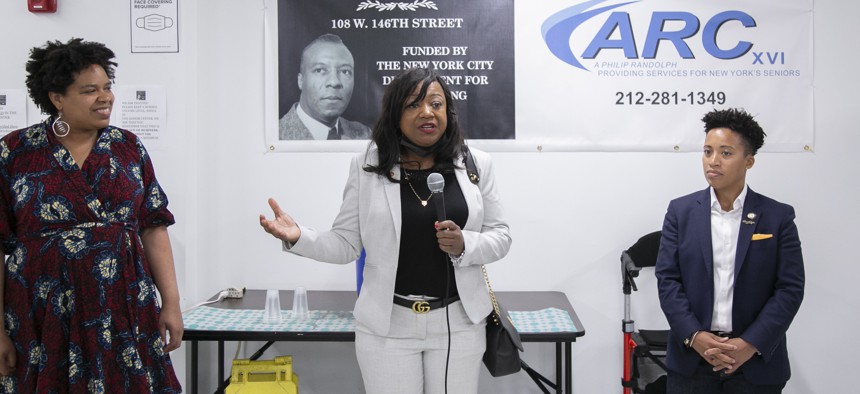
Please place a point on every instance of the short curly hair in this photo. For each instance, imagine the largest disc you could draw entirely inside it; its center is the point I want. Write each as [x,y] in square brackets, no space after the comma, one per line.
[739,121]
[54,67]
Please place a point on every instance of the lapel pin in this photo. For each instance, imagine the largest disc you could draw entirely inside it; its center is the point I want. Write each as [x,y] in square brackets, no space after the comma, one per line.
[751,216]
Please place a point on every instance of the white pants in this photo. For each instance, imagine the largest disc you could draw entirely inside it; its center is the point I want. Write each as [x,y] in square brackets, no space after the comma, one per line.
[411,358]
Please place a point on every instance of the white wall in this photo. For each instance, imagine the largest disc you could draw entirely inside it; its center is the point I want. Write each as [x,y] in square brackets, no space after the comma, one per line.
[571,214]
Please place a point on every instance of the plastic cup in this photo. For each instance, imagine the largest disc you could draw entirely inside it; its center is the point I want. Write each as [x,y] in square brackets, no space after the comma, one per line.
[272,312]
[300,303]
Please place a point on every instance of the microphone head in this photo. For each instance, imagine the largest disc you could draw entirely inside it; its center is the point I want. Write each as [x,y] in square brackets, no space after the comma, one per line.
[435,182]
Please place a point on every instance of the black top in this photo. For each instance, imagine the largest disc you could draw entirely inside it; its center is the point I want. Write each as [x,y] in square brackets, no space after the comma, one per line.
[421,267]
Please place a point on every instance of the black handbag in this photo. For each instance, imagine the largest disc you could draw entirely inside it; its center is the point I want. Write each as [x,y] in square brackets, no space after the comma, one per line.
[502,356]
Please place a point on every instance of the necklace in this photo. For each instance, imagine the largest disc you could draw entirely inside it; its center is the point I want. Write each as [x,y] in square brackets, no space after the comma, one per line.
[423,202]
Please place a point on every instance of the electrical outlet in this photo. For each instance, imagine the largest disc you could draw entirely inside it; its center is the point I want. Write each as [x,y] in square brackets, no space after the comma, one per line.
[233,292]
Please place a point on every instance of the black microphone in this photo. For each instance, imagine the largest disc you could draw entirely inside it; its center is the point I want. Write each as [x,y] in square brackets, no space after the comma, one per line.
[436,184]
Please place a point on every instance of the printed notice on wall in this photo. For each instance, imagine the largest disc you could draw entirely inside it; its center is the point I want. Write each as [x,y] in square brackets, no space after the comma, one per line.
[141,110]
[13,110]
[154,26]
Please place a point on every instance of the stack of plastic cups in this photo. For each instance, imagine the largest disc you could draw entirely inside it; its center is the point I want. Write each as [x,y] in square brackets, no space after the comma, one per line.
[300,303]
[272,313]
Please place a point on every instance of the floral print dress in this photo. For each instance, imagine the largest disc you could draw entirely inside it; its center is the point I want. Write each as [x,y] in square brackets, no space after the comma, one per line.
[80,304]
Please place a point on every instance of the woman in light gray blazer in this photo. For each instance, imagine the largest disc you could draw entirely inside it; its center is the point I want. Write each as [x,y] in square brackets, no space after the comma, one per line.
[420,316]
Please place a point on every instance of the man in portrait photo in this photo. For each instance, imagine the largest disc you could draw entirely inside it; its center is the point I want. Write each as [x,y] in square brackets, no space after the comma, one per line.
[326,78]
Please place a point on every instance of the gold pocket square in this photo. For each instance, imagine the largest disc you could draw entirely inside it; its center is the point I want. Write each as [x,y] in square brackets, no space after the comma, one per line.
[759,237]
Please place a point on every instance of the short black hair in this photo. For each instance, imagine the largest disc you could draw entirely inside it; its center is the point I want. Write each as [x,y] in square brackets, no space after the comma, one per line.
[323,39]
[54,67]
[387,134]
[739,121]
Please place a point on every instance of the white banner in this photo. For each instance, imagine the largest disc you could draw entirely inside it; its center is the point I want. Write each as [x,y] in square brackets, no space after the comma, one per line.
[599,75]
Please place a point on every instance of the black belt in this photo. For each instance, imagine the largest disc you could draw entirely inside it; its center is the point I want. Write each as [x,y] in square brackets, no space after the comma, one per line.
[423,306]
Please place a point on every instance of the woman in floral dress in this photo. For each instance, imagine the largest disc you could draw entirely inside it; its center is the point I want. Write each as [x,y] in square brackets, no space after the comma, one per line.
[83,223]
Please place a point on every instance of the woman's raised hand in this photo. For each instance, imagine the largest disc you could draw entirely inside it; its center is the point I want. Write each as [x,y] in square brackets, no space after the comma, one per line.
[282,226]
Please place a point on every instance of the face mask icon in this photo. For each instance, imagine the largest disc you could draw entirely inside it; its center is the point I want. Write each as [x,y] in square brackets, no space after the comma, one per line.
[154,22]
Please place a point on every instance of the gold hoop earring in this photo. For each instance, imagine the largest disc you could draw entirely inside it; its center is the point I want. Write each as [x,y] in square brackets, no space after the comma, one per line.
[60,127]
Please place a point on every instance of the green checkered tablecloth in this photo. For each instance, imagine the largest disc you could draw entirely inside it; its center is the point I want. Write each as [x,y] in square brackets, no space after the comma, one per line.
[544,320]
[207,318]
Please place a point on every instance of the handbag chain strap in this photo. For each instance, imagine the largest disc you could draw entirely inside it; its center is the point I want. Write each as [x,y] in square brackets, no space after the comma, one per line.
[492,294]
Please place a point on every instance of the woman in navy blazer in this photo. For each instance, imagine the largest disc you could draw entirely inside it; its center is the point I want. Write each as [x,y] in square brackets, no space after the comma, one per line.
[421,275]
[730,272]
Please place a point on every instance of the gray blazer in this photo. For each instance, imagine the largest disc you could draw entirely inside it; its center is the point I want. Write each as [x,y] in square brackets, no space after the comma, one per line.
[369,217]
[290,127]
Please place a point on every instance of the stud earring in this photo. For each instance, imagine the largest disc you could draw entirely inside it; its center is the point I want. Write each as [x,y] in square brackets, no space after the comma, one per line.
[60,127]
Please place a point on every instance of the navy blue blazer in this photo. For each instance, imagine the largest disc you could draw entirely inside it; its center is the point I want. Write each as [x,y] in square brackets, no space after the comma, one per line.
[769,280]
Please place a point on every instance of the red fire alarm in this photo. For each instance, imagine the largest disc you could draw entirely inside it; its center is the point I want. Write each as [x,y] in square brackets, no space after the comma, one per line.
[42,5]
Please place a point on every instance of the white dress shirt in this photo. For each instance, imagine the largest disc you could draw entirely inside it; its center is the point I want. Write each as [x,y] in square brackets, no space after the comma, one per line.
[724,241]
[316,128]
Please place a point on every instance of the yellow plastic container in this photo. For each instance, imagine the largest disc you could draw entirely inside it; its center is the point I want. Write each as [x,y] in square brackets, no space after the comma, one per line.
[263,377]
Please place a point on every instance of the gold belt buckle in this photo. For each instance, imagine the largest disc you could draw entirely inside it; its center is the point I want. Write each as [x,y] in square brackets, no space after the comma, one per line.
[420,306]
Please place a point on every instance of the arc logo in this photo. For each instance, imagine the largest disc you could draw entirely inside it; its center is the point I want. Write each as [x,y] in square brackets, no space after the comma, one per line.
[558,29]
